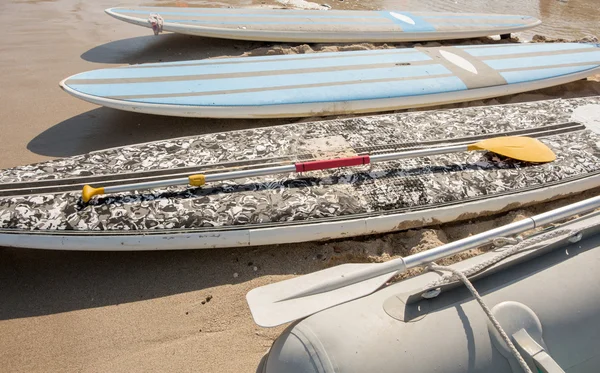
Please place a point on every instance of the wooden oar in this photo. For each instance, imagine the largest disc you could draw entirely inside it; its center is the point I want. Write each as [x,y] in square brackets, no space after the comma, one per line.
[293,299]
[516,147]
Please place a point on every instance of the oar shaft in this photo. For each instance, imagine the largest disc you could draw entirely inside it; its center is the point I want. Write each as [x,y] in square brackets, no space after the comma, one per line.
[333,163]
[298,167]
[506,230]
[211,177]
[400,265]
[534,149]
[418,153]
[468,243]
[250,173]
[147,185]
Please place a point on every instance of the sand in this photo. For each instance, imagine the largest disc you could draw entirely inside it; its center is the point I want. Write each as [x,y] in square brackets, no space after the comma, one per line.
[153,311]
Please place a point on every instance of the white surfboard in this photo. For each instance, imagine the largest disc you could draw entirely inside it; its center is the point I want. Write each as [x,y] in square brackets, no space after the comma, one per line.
[334,83]
[323,26]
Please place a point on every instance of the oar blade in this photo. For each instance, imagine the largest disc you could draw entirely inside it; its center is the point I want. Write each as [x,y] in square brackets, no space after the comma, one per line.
[517,147]
[271,305]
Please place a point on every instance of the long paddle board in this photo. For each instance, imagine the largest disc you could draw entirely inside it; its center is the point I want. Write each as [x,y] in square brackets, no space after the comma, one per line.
[323,26]
[334,83]
[41,207]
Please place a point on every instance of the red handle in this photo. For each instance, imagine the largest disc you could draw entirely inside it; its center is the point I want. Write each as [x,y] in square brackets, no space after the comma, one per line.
[332,163]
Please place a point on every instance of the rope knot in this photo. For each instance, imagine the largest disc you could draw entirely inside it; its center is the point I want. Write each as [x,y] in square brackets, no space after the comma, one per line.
[156,21]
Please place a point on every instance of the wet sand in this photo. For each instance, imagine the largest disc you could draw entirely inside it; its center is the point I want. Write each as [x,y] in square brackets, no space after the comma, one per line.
[159,311]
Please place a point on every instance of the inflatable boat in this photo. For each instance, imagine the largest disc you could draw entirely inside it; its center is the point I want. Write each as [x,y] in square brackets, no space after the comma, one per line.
[544,296]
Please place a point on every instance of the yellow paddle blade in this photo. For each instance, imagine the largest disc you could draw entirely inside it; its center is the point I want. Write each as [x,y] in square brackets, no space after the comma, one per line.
[517,147]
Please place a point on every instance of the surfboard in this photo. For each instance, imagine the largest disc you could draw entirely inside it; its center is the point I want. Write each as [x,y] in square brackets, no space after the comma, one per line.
[336,82]
[324,26]
[41,206]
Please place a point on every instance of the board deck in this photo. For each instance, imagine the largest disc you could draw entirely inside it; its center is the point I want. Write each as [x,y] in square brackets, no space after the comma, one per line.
[286,25]
[40,205]
[334,83]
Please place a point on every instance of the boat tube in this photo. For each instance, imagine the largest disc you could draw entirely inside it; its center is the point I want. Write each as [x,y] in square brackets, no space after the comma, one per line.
[544,297]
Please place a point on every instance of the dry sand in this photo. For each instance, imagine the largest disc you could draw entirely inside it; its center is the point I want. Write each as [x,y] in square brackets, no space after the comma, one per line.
[154,311]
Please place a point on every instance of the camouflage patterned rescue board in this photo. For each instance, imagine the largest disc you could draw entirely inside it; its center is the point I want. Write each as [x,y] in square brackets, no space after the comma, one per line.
[40,204]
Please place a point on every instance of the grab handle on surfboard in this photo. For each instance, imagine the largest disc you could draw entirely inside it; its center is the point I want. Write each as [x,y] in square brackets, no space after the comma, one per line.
[516,147]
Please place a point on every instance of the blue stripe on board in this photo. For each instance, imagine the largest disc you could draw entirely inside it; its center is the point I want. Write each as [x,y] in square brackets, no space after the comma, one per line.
[199,86]
[491,16]
[529,75]
[307,22]
[298,14]
[526,62]
[354,92]
[420,24]
[274,65]
[482,25]
[523,48]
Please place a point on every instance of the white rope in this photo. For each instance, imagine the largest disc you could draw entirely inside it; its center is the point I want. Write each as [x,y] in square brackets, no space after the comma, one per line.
[156,21]
[511,250]
[508,251]
[487,311]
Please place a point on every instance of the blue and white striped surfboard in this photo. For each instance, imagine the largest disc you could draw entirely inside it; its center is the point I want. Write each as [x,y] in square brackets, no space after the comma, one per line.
[334,83]
[325,26]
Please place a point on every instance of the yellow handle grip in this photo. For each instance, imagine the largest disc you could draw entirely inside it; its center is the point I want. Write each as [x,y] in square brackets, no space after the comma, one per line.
[197,180]
[89,191]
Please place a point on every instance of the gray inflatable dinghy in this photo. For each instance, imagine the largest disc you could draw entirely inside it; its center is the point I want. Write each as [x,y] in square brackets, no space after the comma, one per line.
[544,297]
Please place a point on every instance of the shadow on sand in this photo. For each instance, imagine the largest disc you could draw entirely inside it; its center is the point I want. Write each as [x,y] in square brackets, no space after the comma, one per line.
[167,48]
[38,282]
